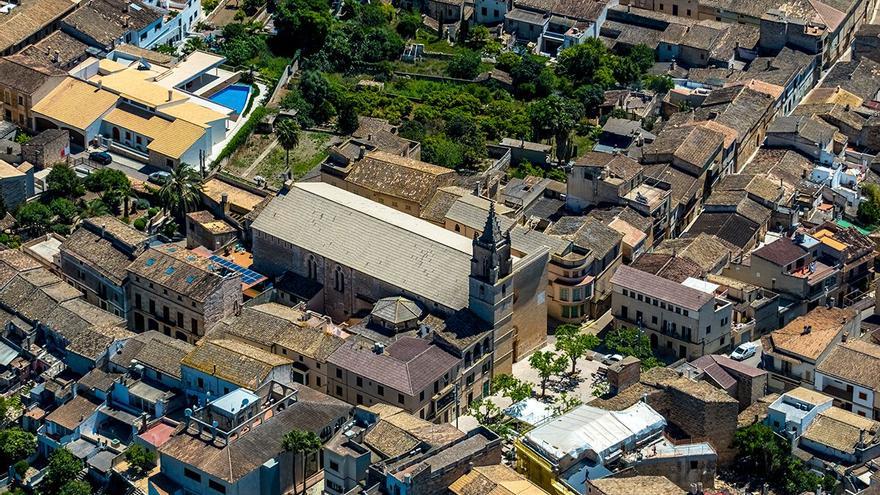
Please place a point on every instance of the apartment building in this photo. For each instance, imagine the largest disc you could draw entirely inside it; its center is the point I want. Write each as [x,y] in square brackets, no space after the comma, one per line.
[95,259]
[793,269]
[22,84]
[410,373]
[180,293]
[851,375]
[792,353]
[685,319]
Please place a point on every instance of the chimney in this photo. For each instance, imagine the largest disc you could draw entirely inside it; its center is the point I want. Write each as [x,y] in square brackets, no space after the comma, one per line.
[100,84]
[224,204]
[170,94]
[56,57]
[844,337]
[807,330]
[362,151]
[103,229]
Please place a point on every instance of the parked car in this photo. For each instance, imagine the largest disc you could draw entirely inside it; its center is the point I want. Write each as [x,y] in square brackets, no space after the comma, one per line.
[160,177]
[101,157]
[744,351]
[612,358]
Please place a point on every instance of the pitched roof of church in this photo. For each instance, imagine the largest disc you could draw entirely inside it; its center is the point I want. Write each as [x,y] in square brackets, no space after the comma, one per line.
[383,243]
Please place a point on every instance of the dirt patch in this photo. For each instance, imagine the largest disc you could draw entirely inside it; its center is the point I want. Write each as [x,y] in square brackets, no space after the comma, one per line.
[311,151]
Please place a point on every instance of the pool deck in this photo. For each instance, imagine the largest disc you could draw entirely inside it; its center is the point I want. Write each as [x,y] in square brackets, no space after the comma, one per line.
[217,148]
[223,77]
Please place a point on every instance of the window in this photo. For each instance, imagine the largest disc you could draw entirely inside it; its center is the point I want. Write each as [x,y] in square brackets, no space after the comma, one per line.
[200,382]
[179,319]
[863,396]
[339,391]
[688,12]
[137,301]
[217,487]
[313,268]
[360,399]
[693,463]
[563,294]
[195,325]
[654,320]
[339,279]
[189,473]
[381,390]
[400,399]
[422,395]
[360,382]
[334,466]
[338,373]
[484,11]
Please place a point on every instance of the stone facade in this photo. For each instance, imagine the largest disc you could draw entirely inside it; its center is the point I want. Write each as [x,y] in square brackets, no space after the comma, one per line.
[47,148]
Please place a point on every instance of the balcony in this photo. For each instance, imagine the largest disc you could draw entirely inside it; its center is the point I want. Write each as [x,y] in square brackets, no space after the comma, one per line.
[837,393]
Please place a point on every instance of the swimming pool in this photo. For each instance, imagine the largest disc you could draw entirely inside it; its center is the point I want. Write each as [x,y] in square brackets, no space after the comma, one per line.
[234,97]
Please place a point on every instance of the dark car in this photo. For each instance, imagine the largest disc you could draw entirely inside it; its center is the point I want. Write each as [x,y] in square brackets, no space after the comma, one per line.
[101,157]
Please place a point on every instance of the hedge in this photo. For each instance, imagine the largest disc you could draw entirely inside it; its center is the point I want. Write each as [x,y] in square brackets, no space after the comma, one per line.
[241,136]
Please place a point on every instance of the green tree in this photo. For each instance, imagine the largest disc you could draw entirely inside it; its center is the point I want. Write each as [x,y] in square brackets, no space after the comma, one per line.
[582,63]
[869,208]
[573,343]
[465,65]
[114,185]
[556,116]
[76,487]
[629,341]
[659,84]
[347,120]
[318,94]
[441,151]
[94,208]
[590,97]
[642,56]
[62,181]
[302,23]
[180,192]
[15,445]
[287,132]
[485,411]
[547,364]
[760,448]
[479,38]
[65,209]
[250,7]
[511,387]
[34,218]
[301,443]
[63,468]
[140,458]
[193,44]
[565,403]
[408,23]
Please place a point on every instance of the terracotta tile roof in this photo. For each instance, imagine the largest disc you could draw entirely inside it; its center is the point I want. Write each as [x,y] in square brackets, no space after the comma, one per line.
[674,268]
[22,74]
[408,365]
[76,103]
[246,452]
[856,362]
[643,485]
[29,18]
[842,430]
[106,21]
[59,49]
[151,56]
[495,479]
[409,179]
[72,413]
[587,10]
[236,362]
[826,326]
[154,350]
[780,252]
[179,270]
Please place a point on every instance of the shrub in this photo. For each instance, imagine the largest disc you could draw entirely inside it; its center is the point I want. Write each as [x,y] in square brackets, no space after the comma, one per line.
[142,204]
[140,223]
[241,136]
[152,211]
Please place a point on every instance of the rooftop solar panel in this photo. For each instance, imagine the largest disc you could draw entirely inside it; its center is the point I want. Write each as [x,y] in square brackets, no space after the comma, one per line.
[248,277]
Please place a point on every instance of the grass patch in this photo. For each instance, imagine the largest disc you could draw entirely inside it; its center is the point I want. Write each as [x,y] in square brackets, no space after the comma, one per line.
[435,44]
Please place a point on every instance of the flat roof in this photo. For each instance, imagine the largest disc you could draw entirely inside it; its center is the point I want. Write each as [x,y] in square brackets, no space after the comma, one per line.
[133,84]
[195,64]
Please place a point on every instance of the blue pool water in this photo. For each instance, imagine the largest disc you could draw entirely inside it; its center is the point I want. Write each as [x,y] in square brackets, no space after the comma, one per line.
[234,97]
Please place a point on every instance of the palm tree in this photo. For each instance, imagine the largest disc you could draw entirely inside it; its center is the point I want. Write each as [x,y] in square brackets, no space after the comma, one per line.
[288,136]
[303,443]
[94,208]
[180,192]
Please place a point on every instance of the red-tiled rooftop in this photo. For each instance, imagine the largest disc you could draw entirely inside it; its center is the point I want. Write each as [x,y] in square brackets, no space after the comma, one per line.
[158,434]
